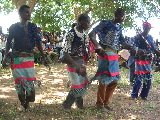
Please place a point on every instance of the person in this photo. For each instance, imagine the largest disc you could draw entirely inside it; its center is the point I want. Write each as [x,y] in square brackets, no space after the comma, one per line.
[23,38]
[131,62]
[110,38]
[74,50]
[93,56]
[143,77]
[59,43]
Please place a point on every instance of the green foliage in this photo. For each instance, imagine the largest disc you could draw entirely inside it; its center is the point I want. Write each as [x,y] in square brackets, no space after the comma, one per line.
[6,6]
[58,14]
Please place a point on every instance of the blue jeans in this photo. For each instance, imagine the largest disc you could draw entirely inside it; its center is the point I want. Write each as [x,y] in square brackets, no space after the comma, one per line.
[131,72]
[137,86]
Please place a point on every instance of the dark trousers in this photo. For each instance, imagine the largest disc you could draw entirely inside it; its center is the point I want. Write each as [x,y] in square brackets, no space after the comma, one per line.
[105,93]
[24,97]
[131,72]
[137,86]
[71,99]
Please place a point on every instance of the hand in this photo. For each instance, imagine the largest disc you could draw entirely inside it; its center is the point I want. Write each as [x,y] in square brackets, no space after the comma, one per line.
[77,67]
[157,68]
[133,50]
[127,46]
[100,51]
[141,52]
[80,72]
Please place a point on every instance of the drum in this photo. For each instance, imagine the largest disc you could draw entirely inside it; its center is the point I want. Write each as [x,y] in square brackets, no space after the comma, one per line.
[123,56]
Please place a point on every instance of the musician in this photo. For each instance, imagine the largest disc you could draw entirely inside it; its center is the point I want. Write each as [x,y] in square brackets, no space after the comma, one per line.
[145,47]
[110,36]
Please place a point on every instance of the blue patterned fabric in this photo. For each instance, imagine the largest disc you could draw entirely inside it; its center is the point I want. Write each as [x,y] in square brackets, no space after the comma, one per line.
[140,43]
[76,43]
[108,70]
[110,35]
[18,41]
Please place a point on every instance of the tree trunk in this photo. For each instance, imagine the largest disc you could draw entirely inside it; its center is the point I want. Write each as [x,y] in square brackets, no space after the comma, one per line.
[19,3]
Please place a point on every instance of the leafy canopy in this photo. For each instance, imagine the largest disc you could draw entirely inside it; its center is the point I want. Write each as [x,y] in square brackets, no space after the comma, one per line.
[58,14]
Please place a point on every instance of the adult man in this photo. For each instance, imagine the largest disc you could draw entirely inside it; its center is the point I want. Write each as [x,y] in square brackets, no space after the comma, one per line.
[23,38]
[74,50]
[110,36]
[145,46]
[131,62]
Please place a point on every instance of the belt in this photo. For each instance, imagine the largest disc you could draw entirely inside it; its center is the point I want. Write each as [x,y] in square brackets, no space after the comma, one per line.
[111,50]
[21,54]
[76,57]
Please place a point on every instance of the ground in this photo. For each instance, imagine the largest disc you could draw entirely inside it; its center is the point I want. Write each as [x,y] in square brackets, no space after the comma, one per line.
[54,89]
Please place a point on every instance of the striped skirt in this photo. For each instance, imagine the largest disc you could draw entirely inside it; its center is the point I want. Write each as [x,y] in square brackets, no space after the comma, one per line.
[78,81]
[23,74]
[108,68]
[143,70]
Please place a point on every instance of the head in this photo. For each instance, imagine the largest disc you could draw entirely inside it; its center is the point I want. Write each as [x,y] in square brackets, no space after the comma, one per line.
[84,21]
[146,27]
[119,15]
[24,12]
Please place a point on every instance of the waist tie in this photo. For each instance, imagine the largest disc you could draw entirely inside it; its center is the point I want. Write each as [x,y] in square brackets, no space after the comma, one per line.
[24,54]
[111,50]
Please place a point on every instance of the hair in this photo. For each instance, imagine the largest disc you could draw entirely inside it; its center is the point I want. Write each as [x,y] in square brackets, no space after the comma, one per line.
[119,11]
[21,9]
[83,16]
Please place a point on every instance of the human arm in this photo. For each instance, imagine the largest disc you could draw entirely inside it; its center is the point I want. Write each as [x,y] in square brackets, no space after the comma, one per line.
[8,45]
[92,35]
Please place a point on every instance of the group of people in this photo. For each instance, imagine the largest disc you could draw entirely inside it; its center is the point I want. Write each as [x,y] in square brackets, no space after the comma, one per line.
[111,40]
[52,43]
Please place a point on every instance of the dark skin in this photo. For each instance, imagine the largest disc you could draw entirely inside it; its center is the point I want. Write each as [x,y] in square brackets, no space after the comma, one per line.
[82,25]
[142,52]
[25,17]
[99,50]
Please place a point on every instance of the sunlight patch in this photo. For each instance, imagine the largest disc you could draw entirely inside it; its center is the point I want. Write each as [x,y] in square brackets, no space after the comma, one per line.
[4,96]
[7,89]
[61,93]
[5,77]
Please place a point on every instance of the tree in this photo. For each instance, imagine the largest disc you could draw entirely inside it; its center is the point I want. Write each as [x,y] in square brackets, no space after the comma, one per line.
[57,14]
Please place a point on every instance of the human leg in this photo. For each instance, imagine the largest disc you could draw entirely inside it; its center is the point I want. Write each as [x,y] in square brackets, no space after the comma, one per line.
[22,97]
[131,73]
[145,89]
[70,99]
[101,95]
[136,87]
[29,98]
[109,92]
[79,102]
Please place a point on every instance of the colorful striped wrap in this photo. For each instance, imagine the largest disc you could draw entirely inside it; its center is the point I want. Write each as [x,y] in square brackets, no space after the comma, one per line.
[143,70]
[23,74]
[108,68]
[78,82]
